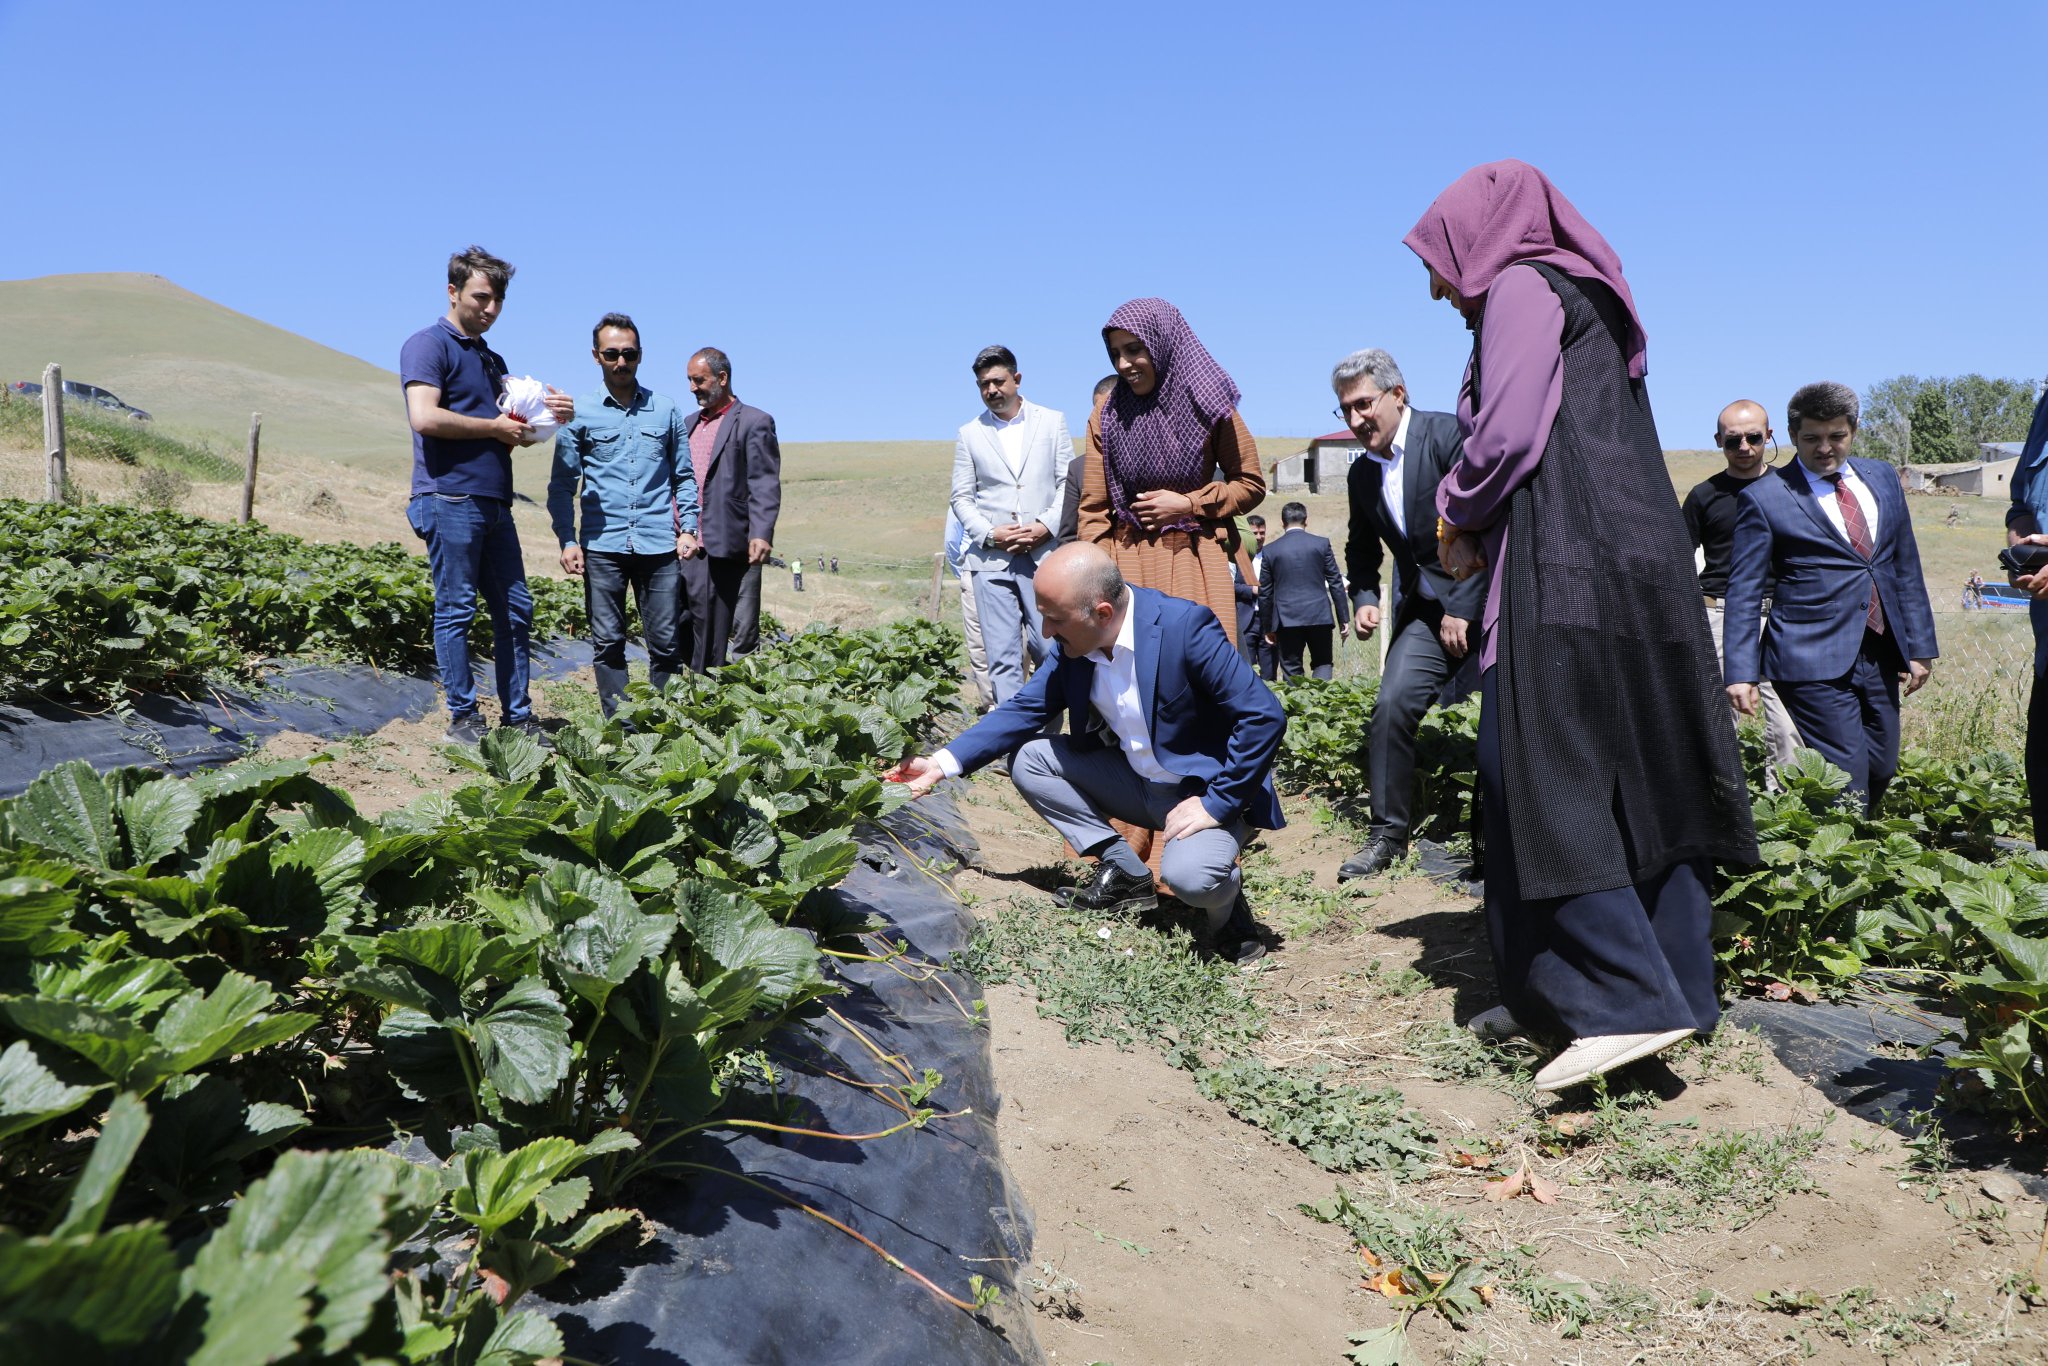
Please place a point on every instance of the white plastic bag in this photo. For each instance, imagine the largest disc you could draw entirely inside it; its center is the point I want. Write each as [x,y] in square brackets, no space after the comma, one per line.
[526,398]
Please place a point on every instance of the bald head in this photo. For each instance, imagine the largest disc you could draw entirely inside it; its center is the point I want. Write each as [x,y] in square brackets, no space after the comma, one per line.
[1080,596]
[1742,410]
[1079,575]
[1743,432]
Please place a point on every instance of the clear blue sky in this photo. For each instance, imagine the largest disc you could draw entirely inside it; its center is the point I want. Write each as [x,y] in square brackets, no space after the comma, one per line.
[852,199]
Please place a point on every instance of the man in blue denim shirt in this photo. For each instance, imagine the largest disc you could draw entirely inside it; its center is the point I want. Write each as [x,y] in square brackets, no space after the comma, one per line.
[639,511]
[461,502]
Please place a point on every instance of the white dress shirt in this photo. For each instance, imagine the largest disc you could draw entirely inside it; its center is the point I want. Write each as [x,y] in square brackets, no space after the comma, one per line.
[1393,483]
[1115,694]
[1009,435]
[1824,490]
[1394,486]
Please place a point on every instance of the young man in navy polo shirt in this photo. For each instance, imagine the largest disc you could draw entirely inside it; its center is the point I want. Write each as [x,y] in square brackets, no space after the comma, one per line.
[462,491]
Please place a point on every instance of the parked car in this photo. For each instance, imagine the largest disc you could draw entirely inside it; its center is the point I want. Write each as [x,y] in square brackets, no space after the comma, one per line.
[83,393]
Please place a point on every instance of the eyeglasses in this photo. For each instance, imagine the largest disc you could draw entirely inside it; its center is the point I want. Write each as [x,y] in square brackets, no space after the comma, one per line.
[620,353]
[1737,440]
[1344,412]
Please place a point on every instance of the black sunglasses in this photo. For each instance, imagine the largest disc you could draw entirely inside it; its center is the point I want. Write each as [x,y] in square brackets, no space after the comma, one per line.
[1737,440]
[620,353]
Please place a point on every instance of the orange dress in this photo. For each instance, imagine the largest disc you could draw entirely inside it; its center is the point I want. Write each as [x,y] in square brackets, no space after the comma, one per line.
[1187,564]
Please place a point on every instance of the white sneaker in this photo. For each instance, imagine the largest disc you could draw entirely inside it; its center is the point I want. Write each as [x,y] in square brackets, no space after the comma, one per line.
[1496,1024]
[1588,1058]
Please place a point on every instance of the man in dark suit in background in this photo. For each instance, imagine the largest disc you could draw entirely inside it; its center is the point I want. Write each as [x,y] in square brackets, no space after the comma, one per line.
[1850,621]
[1301,595]
[1167,728]
[1433,628]
[1257,652]
[738,465]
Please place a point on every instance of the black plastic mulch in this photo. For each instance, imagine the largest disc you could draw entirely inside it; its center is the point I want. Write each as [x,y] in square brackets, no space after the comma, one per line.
[178,735]
[738,1277]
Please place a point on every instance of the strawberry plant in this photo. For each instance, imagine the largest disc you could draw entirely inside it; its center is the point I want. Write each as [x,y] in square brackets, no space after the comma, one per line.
[552,975]
[97,602]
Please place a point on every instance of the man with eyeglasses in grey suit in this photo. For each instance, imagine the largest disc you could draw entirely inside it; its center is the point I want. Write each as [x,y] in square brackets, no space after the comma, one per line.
[1743,434]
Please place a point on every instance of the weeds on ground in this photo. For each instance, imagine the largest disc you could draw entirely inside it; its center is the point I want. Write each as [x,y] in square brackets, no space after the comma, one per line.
[1420,1260]
[1730,1050]
[1054,1292]
[1388,984]
[1860,1317]
[1448,1051]
[1119,983]
[1342,1128]
[1662,1180]
[1296,904]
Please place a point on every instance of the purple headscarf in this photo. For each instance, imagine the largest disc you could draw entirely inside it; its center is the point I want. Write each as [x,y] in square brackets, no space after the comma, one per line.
[1505,213]
[1157,442]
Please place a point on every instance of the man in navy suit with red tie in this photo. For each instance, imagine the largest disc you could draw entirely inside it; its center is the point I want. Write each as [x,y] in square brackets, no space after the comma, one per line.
[1850,623]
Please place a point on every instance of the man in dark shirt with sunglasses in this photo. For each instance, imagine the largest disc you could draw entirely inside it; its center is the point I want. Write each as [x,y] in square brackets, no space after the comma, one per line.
[1743,432]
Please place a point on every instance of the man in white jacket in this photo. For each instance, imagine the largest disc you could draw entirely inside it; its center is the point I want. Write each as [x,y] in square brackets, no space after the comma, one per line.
[1010,472]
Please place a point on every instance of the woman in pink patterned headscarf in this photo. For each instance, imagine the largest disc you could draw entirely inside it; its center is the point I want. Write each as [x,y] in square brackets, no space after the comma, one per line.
[1171,465]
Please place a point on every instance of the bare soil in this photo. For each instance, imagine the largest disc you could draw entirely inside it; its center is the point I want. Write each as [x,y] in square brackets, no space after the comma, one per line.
[1119,1141]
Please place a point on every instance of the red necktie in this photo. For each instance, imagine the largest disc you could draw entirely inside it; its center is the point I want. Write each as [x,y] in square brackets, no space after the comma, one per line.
[1859,540]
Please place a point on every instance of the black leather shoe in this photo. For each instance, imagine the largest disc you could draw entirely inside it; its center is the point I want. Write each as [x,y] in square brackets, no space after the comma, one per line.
[1241,940]
[1112,891]
[1378,855]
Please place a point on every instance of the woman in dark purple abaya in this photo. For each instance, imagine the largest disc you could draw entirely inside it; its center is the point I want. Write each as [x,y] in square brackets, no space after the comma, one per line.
[1608,768]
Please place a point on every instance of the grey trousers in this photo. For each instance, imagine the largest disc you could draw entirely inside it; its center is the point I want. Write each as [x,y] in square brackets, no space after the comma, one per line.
[1781,736]
[1007,605]
[1417,675]
[1077,791]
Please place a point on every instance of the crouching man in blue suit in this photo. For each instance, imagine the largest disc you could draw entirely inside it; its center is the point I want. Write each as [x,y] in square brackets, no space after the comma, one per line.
[1168,728]
[1850,622]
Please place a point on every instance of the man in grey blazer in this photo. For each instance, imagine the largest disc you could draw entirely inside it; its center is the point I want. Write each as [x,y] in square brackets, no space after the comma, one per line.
[1010,472]
[1435,621]
[738,465]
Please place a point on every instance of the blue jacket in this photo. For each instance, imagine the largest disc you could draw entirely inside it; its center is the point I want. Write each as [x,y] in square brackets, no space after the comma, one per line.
[1822,597]
[1211,717]
[2030,507]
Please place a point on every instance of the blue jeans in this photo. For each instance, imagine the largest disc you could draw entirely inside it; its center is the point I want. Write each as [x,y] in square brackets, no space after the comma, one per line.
[656,581]
[472,548]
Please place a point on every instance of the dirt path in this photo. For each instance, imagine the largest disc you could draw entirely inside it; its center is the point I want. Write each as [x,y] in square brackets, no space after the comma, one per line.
[1792,1232]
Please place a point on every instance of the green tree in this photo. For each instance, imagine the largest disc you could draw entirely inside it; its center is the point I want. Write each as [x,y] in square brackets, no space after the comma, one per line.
[1885,432]
[1991,409]
[1935,440]
[1972,409]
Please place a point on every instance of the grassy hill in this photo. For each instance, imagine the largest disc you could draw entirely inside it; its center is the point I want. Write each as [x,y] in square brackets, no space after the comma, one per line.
[202,368]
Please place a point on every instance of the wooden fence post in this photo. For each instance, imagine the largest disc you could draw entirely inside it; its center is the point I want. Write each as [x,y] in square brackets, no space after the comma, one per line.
[938,563]
[249,474]
[53,429]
